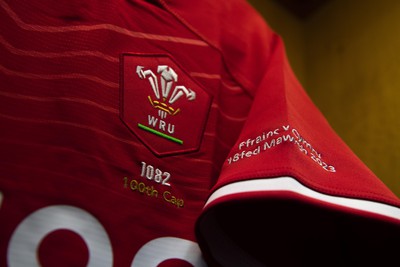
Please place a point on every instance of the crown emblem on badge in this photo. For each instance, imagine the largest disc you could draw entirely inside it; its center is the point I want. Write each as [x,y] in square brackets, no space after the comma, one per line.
[169,93]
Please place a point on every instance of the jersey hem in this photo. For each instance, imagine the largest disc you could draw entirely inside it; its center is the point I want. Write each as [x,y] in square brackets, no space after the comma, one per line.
[286,184]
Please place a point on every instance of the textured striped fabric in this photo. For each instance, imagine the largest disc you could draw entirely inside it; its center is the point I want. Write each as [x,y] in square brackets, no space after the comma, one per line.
[82,179]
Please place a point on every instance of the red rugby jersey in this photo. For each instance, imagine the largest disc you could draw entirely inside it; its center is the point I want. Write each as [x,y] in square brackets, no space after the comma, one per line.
[171,133]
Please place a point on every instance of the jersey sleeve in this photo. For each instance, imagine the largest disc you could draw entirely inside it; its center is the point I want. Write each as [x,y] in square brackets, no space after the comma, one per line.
[291,192]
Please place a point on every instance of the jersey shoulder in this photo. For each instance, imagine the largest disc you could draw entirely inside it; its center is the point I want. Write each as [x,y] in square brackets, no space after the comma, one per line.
[236,29]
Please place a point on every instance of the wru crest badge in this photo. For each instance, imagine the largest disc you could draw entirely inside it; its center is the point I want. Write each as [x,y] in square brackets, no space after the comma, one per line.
[166,113]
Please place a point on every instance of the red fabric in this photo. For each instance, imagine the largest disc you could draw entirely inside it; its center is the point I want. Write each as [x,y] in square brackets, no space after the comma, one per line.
[313,153]
[62,141]
[72,170]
